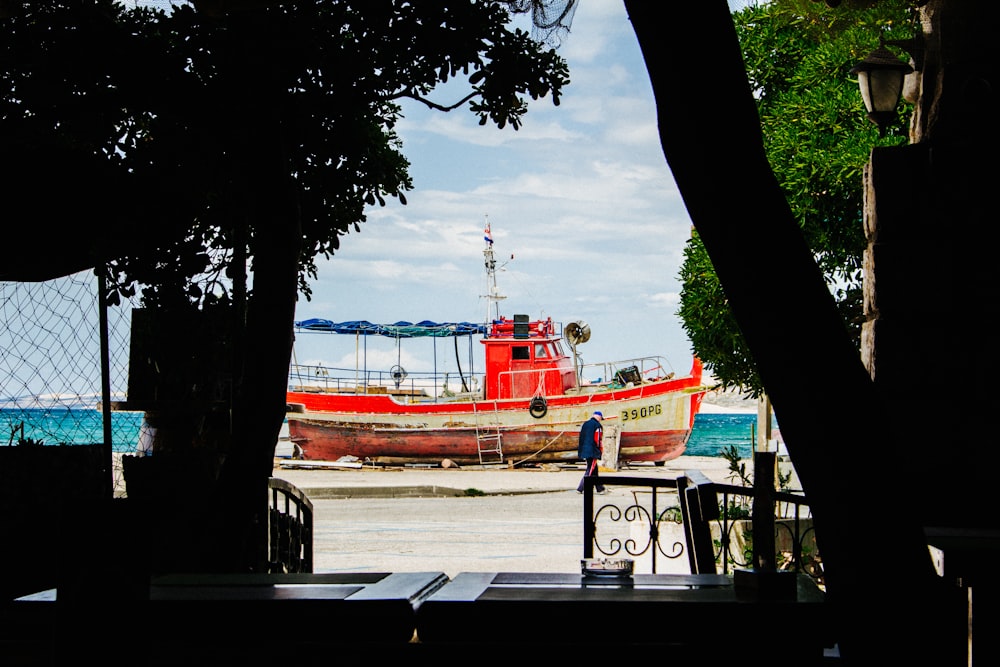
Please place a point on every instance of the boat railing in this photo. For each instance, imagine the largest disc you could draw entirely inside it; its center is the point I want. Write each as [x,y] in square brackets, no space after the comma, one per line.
[401,385]
[621,373]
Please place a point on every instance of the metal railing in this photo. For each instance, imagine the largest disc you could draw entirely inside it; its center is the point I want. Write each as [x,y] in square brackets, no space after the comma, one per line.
[431,386]
[290,528]
[649,527]
[794,533]
[424,386]
[622,372]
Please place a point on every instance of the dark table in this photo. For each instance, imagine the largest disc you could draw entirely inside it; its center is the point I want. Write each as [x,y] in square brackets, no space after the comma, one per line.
[260,617]
[968,557]
[687,616]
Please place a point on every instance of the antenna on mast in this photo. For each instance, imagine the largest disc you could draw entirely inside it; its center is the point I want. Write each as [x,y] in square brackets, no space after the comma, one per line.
[493,295]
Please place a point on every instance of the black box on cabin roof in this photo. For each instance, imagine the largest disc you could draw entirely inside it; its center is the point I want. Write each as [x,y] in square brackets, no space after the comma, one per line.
[521,326]
[628,374]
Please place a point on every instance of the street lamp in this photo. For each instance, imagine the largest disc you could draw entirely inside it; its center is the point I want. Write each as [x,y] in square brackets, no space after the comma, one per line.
[880,78]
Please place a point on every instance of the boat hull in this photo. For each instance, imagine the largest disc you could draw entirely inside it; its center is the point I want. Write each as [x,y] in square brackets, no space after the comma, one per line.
[647,423]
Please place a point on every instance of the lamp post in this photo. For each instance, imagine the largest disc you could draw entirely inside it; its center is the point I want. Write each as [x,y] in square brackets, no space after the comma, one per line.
[880,78]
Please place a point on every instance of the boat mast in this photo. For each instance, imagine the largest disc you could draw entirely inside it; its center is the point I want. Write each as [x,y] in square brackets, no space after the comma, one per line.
[493,296]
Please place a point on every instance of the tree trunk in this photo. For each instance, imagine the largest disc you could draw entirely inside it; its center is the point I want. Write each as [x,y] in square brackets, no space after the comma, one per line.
[837,430]
[270,213]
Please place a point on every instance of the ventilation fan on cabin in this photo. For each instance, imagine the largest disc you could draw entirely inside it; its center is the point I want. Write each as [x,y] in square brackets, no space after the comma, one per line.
[576,333]
[398,375]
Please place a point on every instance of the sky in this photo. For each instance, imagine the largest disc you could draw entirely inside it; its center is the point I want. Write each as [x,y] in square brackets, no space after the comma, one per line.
[587,221]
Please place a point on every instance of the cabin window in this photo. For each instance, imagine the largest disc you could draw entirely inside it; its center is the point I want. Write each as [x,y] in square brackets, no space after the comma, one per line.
[540,351]
[521,352]
[559,350]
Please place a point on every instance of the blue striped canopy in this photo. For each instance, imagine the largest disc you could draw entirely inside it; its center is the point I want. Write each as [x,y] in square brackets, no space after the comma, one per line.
[398,330]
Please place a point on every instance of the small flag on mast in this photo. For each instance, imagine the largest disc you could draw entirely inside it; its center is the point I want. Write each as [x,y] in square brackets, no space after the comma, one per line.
[487,234]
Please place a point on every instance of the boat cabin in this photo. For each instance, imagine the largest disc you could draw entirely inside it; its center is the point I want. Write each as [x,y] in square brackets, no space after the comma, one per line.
[526,359]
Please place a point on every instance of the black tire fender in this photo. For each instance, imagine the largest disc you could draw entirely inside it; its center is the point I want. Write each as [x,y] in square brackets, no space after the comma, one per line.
[538,407]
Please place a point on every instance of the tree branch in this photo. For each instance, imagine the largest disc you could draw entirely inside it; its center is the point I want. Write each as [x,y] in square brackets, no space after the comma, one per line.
[429,103]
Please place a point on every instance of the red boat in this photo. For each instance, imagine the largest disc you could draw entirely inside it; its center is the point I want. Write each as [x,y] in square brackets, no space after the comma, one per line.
[525,408]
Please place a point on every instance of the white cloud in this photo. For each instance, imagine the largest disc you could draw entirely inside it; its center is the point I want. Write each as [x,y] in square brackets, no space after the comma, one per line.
[581,196]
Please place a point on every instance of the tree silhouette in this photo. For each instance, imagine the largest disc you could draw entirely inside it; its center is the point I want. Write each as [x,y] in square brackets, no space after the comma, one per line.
[218,149]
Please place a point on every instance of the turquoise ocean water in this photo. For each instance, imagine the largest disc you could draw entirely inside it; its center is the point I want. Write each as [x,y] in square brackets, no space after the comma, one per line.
[71,426]
[712,434]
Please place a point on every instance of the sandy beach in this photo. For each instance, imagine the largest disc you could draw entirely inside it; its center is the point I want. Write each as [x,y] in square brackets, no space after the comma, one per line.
[318,478]
[489,479]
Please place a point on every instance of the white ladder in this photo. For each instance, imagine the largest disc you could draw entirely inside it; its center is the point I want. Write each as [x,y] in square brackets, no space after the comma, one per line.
[488,438]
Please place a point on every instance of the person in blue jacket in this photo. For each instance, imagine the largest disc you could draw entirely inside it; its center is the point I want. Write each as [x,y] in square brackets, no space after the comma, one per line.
[591,448]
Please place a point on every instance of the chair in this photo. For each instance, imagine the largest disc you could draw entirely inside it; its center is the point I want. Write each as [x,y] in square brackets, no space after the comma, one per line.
[699,507]
[290,528]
